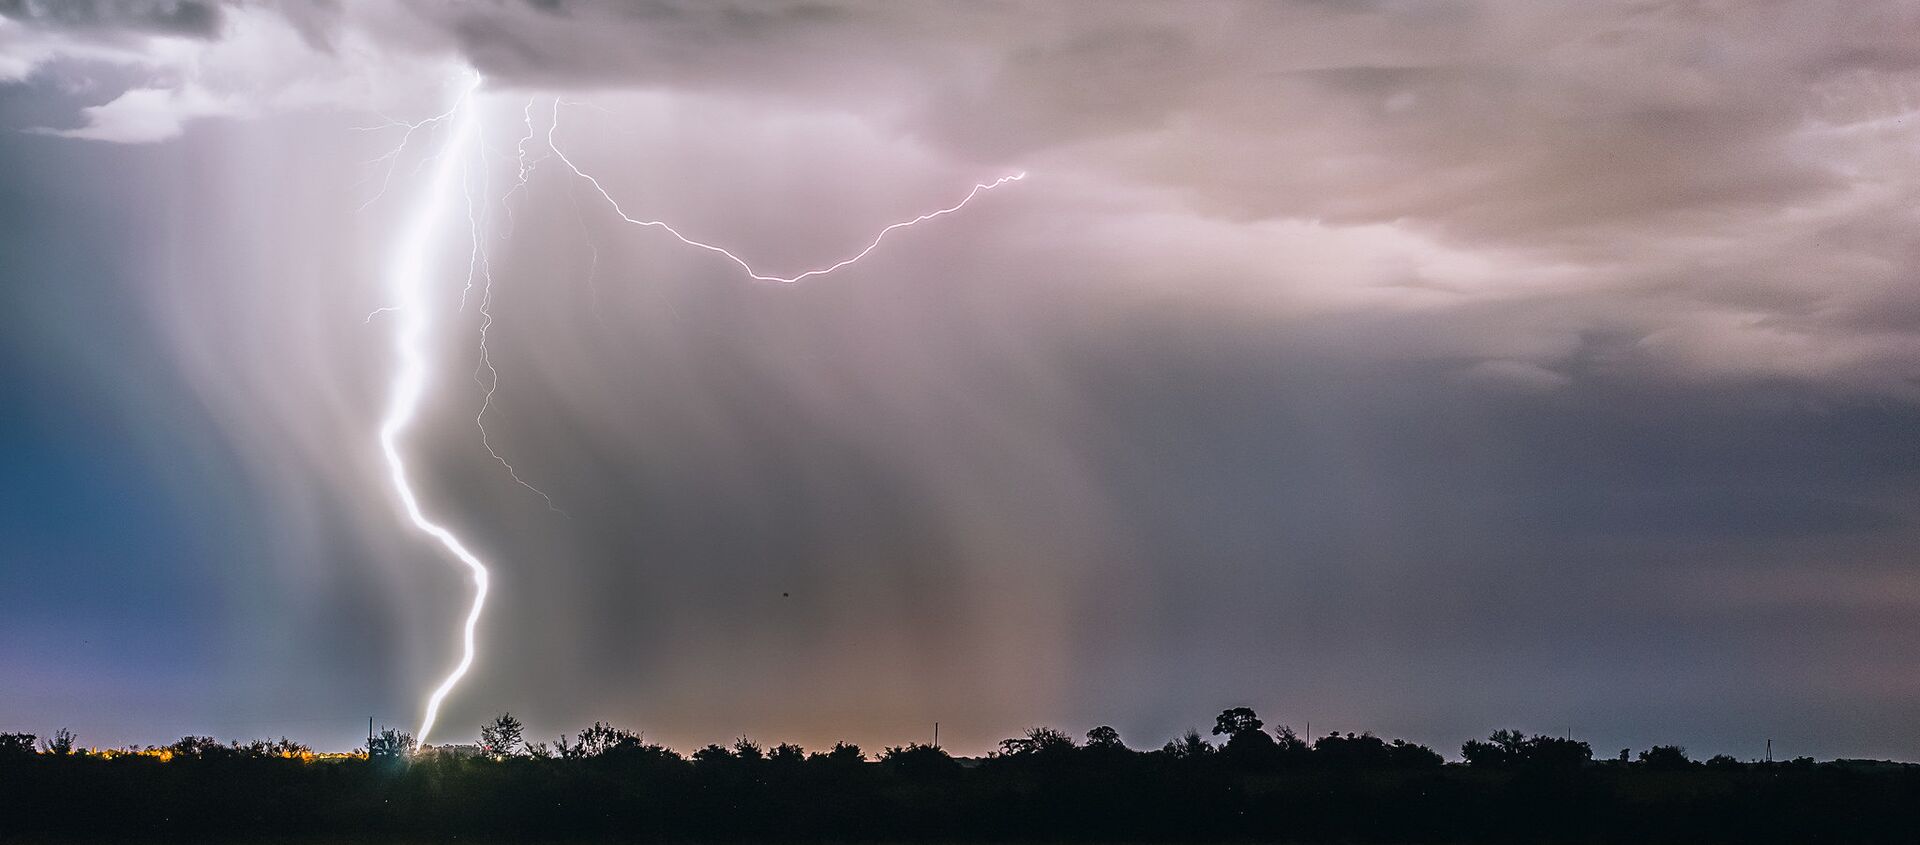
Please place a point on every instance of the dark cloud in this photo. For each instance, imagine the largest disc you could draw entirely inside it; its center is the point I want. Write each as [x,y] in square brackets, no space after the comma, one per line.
[193,18]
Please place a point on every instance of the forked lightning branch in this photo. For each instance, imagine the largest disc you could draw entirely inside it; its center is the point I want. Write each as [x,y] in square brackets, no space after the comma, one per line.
[448,187]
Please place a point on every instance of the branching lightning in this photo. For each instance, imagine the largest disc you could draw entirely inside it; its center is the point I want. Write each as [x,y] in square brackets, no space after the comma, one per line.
[523,166]
[552,144]
[461,155]
[408,277]
[393,156]
[492,383]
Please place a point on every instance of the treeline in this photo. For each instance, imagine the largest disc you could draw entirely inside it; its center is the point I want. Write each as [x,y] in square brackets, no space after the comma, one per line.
[1242,782]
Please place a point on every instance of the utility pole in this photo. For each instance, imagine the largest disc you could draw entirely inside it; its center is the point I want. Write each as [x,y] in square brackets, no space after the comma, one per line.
[936,734]
[369,736]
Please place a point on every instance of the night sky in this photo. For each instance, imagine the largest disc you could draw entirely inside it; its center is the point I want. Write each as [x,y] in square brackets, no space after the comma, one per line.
[1418,367]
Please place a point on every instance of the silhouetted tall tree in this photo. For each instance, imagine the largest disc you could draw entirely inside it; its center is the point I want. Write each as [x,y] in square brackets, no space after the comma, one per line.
[1235,721]
[1247,744]
[502,737]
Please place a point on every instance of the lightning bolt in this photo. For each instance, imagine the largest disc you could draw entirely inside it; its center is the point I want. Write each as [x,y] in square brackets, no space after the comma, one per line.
[393,156]
[408,277]
[480,263]
[523,166]
[554,126]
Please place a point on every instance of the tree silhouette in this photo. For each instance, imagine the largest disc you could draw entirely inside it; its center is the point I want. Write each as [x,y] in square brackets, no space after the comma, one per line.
[1289,743]
[1189,746]
[786,754]
[1666,758]
[1501,749]
[842,754]
[16,745]
[1235,721]
[60,744]
[1105,738]
[1557,753]
[199,748]
[919,761]
[1508,749]
[282,747]
[1247,744]
[502,737]
[391,745]
[612,786]
[598,740]
[1037,741]
[747,750]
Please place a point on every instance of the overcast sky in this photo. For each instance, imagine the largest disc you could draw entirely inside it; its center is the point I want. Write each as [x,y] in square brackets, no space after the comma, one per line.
[1417,367]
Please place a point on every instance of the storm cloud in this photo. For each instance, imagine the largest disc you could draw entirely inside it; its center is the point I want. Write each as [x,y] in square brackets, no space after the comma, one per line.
[1424,367]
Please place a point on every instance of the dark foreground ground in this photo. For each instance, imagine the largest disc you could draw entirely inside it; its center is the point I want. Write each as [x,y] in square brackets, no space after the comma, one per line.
[646,794]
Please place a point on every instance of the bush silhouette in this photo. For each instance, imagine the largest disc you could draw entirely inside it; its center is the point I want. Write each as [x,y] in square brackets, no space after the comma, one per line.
[16,746]
[1040,786]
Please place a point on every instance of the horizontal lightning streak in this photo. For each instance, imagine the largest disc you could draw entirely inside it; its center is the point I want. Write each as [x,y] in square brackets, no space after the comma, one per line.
[978,189]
